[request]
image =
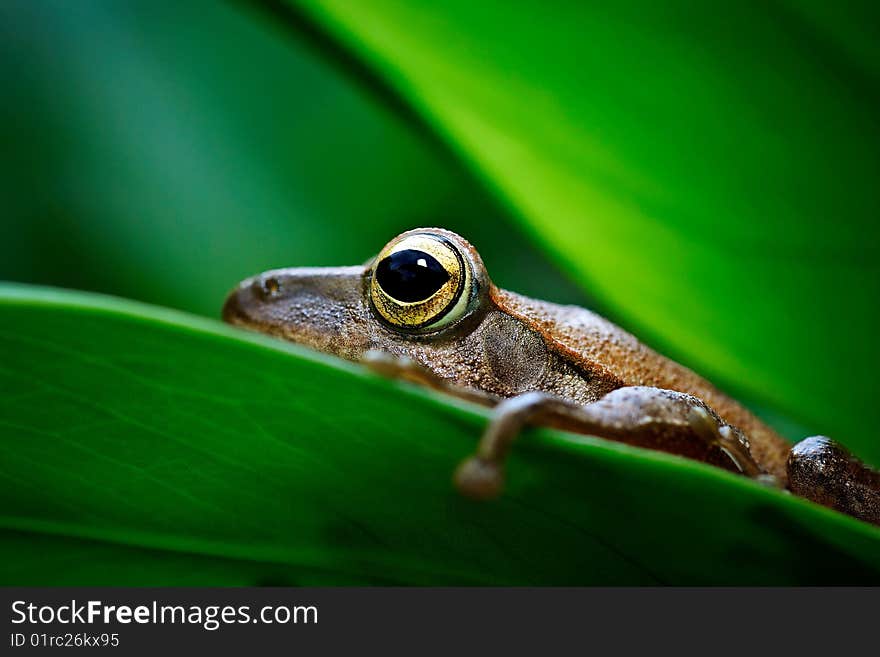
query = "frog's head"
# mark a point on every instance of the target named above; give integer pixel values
(424, 291)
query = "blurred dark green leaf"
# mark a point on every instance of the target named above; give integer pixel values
(710, 173)
(144, 446)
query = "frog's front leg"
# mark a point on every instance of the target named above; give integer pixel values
(646, 417)
(823, 471)
(406, 369)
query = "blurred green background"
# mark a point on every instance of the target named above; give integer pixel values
(163, 151)
(706, 178)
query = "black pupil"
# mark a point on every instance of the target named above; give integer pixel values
(410, 275)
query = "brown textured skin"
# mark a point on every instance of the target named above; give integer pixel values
(822, 471)
(599, 346)
(507, 345)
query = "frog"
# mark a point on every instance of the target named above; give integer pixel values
(425, 310)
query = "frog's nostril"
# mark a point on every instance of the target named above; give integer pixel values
(267, 287)
(271, 286)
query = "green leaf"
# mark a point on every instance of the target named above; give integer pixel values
(144, 446)
(708, 173)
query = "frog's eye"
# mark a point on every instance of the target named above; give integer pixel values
(420, 283)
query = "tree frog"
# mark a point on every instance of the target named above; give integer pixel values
(425, 310)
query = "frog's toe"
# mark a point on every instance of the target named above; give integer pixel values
(479, 479)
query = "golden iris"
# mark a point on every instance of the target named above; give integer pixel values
(419, 282)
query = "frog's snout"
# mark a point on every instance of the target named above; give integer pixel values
(240, 302)
(284, 300)
(251, 301)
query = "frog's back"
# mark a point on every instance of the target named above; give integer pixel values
(600, 347)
